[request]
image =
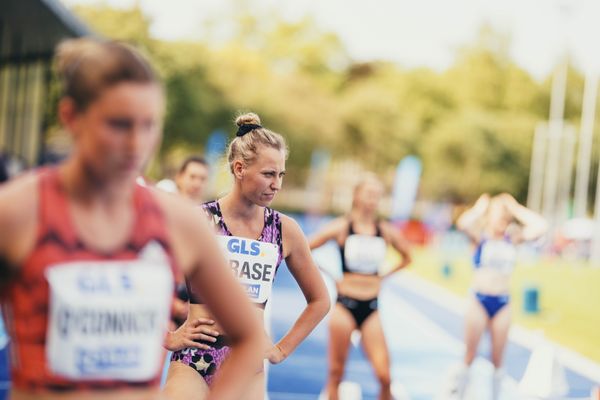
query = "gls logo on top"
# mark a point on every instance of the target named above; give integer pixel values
(241, 247)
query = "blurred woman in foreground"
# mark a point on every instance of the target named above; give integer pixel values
(88, 256)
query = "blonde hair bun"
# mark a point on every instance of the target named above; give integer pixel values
(247, 119)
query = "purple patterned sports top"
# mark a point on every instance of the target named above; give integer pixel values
(271, 233)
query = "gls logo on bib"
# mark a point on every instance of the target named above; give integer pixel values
(253, 263)
(236, 245)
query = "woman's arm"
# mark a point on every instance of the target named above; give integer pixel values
(190, 333)
(397, 241)
(206, 268)
(300, 264)
(534, 225)
(469, 220)
(328, 232)
(19, 207)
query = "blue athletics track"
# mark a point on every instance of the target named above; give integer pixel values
(423, 327)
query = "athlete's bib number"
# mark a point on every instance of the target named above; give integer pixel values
(253, 263)
(499, 255)
(107, 318)
(364, 254)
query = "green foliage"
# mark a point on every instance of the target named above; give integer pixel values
(472, 125)
(478, 151)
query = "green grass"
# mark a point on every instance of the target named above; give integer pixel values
(569, 297)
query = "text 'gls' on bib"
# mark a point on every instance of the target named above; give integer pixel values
(364, 254)
(108, 318)
(254, 264)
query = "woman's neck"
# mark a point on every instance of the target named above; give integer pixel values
(495, 234)
(362, 216)
(83, 185)
(238, 207)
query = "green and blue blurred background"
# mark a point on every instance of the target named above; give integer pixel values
(460, 86)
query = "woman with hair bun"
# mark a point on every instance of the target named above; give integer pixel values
(88, 256)
(256, 239)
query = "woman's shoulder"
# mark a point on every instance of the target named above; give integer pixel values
(179, 212)
(19, 197)
(19, 215)
(287, 222)
(385, 224)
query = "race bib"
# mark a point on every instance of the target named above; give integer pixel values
(254, 264)
(364, 254)
(107, 318)
(499, 255)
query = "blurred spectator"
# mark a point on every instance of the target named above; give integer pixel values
(190, 181)
(192, 177)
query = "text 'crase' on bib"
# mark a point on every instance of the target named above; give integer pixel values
(108, 318)
(254, 264)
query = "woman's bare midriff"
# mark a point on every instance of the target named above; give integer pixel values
(201, 311)
(153, 393)
(491, 282)
(359, 286)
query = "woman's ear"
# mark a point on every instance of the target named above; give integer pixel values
(238, 169)
(68, 115)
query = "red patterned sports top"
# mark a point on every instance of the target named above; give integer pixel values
(83, 319)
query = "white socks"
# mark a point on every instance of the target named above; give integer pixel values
(458, 380)
(497, 383)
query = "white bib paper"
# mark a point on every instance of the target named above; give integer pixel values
(499, 255)
(253, 263)
(107, 318)
(364, 254)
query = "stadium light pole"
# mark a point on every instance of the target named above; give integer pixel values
(536, 170)
(584, 157)
(595, 245)
(565, 178)
(555, 130)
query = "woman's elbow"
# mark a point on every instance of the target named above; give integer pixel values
(321, 305)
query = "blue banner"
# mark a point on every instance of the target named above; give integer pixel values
(406, 185)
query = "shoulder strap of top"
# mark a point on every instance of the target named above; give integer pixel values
(350, 227)
(211, 209)
(378, 231)
(478, 251)
(149, 219)
(273, 232)
(54, 218)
